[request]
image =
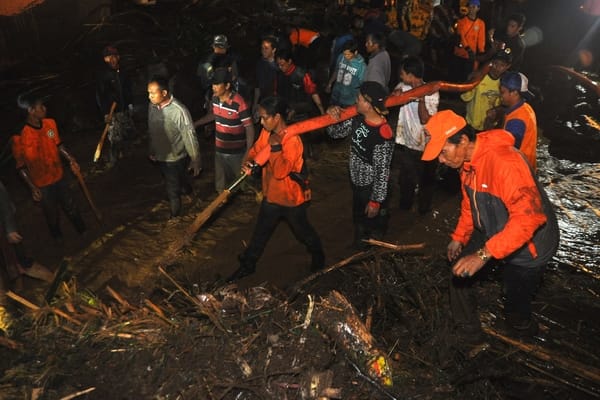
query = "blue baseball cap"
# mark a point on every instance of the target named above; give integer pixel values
(475, 3)
(516, 81)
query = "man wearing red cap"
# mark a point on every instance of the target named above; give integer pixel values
(505, 219)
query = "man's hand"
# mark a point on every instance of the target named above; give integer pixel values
(334, 112)
(454, 249)
(36, 193)
(467, 266)
(248, 167)
(372, 209)
(14, 237)
(195, 167)
(107, 119)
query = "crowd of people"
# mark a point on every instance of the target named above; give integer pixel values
(505, 217)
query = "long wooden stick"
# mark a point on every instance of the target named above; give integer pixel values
(392, 246)
(77, 394)
(88, 196)
(104, 133)
(34, 307)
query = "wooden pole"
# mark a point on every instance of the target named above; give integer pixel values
(104, 133)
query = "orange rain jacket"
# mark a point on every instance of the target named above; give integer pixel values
(278, 187)
(503, 199)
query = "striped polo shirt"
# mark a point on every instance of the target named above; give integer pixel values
(231, 119)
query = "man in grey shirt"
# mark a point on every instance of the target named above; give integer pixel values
(172, 141)
(379, 68)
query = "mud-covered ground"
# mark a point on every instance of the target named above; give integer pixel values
(120, 328)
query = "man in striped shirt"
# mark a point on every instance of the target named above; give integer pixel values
(234, 130)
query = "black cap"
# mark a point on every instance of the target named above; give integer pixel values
(221, 75)
(375, 94)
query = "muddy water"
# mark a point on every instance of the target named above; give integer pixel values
(574, 189)
(570, 166)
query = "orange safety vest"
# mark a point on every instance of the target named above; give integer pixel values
(529, 143)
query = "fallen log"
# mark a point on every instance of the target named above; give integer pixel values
(337, 317)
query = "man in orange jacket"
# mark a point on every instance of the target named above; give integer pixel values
(505, 219)
(285, 189)
(470, 34)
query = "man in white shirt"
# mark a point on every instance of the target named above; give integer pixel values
(410, 136)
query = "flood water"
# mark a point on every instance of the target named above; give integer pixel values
(574, 190)
(570, 168)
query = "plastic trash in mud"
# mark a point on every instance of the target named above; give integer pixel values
(340, 321)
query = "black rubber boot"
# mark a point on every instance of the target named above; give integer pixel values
(247, 267)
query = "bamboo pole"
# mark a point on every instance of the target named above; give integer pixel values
(580, 369)
(34, 307)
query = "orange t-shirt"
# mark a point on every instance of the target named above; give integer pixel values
(37, 150)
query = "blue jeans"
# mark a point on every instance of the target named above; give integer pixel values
(176, 182)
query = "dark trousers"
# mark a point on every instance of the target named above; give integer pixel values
(365, 227)
(55, 195)
(520, 284)
(268, 217)
(459, 68)
(413, 172)
(176, 182)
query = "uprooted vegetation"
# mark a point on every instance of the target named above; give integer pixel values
(318, 340)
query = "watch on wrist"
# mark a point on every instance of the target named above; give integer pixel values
(481, 254)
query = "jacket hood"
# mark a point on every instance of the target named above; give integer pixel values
(492, 140)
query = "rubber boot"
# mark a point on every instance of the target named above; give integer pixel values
(247, 267)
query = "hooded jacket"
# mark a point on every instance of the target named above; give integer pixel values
(503, 199)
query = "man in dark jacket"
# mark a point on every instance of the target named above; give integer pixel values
(506, 219)
(114, 85)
